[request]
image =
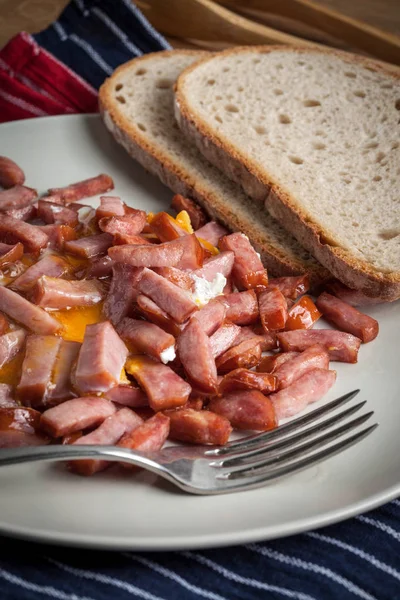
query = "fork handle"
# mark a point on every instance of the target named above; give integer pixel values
(13, 456)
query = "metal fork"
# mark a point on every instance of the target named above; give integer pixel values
(245, 464)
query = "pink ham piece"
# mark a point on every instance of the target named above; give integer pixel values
(148, 437)
(37, 368)
(108, 433)
(245, 355)
(61, 388)
(4, 324)
(221, 263)
(184, 253)
(211, 316)
(224, 338)
(242, 307)
(33, 317)
(152, 312)
(83, 189)
(211, 232)
(248, 270)
(315, 357)
(10, 253)
(353, 297)
(347, 318)
(180, 278)
(267, 340)
(164, 388)
(13, 231)
(269, 364)
(51, 265)
(196, 214)
(127, 395)
(19, 427)
(273, 310)
(59, 294)
(291, 287)
(90, 246)
(198, 427)
(246, 409)
(110, 206)
(122, 293)
(244, 379)
(99, 268)
(6, 399)
(101, 359)
(130, 224)
(51, 212)
(17, 197)
(10, 173)
(175, 301)
(342, 347)
(75, 415)
(10, 344)
(309, 388)
(145, 337)
(195, 353)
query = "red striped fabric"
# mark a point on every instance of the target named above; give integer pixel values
(34, 83)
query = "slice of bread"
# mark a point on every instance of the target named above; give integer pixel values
(137, 104)
(313, 135)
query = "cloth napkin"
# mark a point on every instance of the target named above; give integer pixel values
(58, 71)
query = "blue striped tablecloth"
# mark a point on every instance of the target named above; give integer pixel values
(355, 559)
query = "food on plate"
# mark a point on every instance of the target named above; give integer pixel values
(159, 335)
(311, 134)
(136, 103)
(11, 174)
(347, 318)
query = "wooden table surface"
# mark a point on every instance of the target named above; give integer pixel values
(34, 15)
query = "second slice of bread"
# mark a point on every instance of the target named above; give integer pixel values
(137, 105)
(314, 136)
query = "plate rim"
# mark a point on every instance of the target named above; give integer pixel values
(200, 541)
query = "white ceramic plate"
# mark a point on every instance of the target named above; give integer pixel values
(44, 502)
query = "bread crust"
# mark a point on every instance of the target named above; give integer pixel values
(260, 185)
(178, 180)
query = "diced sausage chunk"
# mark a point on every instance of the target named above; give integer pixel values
(166, 227)
(244, 379)
(19, 427)
(110, 206)
(127, 395)
(195, 353)
(146, 337)
(248, 270)
(90, 246)
(108, 433)
(55, 293)
(247, 409)
(61, 388)
(10, 253)
(224, 338)
(17, 197)
(199, 427)
(314, 357)
(291, 287)
(347, 318)
(10, 173)
(273, 310)
(76, 414)
(342, 347)
(131, 224)
(164, 388)
(303, 314)
(269, 364)
(101, 359)
(37, 368)
(51, 212)
(13, 231)
(221, 264)
(148, 437)
(247, 354)
(175, 301)
(157, 315)
(83, 189)
(311, 387)
(122, 292)
(50, 265)
(266, 339)
(242, 307)
(211, 232)
(211, 316)
(33, 317)
(176, 276)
